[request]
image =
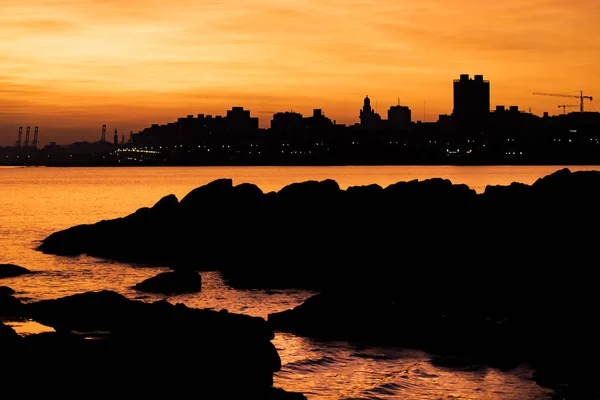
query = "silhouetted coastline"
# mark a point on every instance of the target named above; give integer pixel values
(105, 344)
(500, 277)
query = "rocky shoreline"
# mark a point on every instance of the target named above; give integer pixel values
(106, 345)
(500, 278)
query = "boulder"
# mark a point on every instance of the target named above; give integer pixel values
(11, 270)
(176, 282)
(11, 307)
(8, 340)
(6, 291)
(178, 349)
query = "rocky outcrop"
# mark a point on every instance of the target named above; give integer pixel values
(107, 342)
(311, 234)
(551, 334)
(176, 282)
(11, 270)
(9, 305)
(7, 334)
(392, 319)
(6, 291)
(250, 235)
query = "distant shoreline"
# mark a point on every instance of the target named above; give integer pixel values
(172, 164)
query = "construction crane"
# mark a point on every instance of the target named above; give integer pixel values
(564, 107)
(581, 97)
(20, 136)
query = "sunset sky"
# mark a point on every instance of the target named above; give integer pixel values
(69, 66)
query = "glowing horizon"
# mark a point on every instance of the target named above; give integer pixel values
(70, 66)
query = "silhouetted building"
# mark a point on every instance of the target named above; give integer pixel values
(193, 131)
(399, 117)
(318, 121)
(239, 121)
(288, 121)
(368, 117)
(471, 98)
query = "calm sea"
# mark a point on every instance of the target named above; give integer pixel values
(36, 201)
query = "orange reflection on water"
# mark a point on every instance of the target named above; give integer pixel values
(28, 327)
(338, 370)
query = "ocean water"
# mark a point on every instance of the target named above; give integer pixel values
(36, 201)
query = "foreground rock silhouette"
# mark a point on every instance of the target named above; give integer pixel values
(107, 345)
(176, 282)
(313, 234)
(11, 271)
(6, 291)
(9, 305)
(506, 276)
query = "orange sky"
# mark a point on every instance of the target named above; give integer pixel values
(70, 66)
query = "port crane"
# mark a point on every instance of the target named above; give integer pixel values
(35, 137)
(27, 133)
(581, 97)
(564, 107)
(20, 136)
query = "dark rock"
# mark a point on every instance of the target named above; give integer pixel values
(456, 362)
(88, 311)
(69, 242)
(6, 291)
(247, 191)
(167, 204)
(9, 340)
(11, 270)
(7, 333)
(515, 192)
(280, 394)
(208, 194)
(309, 190)
(179, 281)
(220, 354)
(366, 190)
(564, 188)
(10, 306)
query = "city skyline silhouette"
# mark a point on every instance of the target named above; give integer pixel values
(72, 67)
(469, 103)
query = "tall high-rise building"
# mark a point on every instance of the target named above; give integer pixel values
(471, 97)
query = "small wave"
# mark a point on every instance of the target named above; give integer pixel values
(308, 363)
(389, 388)
(373, 356)
(421, 373)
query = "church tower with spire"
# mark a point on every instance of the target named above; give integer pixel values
(368, 117)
